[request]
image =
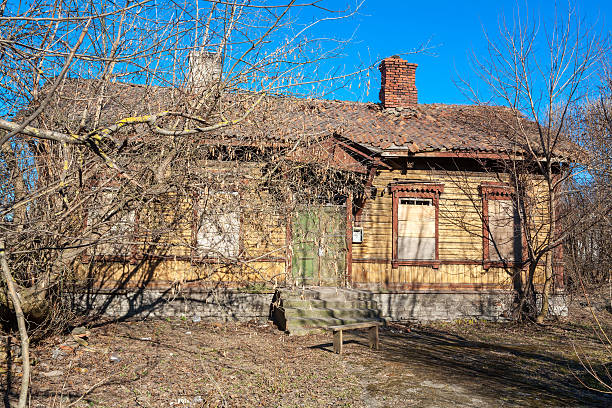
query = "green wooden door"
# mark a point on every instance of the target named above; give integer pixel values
(304, 239)
(319, 246)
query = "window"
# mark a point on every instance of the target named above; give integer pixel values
(502, 242)
(416, 229)
(415, 223)
(218, 227)
(113, 225)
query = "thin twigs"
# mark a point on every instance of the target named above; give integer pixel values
(23, 331)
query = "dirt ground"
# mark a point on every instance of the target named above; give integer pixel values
(181, 363)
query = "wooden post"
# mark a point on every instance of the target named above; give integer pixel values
(338, 341)
(195, 221)
(373, 337)
(288, 237)
(558, 264)
(349, 240)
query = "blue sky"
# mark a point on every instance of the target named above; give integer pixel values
(453, 27)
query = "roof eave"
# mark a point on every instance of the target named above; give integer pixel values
(471, 154)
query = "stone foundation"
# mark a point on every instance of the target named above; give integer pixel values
(236, 305)
(213, 305)
(448, 306)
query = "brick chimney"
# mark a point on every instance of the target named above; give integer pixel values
(204, 69)
(397, 84)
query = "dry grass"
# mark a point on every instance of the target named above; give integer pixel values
(184, 364)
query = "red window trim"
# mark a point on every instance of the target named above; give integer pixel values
(416, 190)
(494, 191)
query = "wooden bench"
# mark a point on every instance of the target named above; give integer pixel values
(372, 327)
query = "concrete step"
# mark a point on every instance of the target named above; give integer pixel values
(328, 304)
(323, 293)
(305, 331)
(291, 313)
(307, 310)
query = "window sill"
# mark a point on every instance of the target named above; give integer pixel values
(500, 264)
(131, 259)
(435, 264)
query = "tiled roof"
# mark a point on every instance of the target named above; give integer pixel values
(425, 128)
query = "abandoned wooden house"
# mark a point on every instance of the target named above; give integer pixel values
(409, 203)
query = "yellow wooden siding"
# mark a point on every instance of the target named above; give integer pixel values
(164, 250)
(263, 227)
(166, 230)
(460, 234)
(152, 272)
(164, 227)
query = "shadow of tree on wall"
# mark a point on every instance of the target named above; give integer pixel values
(160, 278)
(137, 295)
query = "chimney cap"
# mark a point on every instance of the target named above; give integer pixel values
(394, 60)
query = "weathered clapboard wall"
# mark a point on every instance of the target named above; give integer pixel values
(460, 236)
(163, 247)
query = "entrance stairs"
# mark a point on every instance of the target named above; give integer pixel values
(308, 310)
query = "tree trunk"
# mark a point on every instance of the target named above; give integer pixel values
(526, 296)
(546, 290)
(548, 270)
(23, 333)
(16, 178)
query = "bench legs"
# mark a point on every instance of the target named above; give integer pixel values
(338, 342)
(373, 337)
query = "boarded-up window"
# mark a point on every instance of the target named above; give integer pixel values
(416, 229)
(219, 225)
(504, 231)
(112, 223)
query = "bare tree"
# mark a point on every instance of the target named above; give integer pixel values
(588, 251)
(121, 121)
(541, 71)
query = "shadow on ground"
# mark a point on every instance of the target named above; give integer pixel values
(512, 374)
